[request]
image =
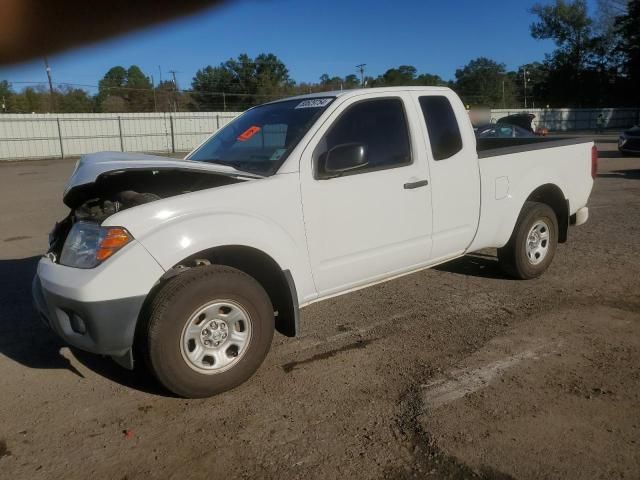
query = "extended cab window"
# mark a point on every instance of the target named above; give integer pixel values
(376, 130)
(442, 125)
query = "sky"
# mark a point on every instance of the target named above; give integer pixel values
(331, 37)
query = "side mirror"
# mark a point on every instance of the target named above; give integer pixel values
(344, 158)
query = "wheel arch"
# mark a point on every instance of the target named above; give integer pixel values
(278, 283)
(551, 195)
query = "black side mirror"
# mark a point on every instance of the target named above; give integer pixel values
(343, 158)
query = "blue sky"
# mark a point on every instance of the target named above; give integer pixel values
(313, 38)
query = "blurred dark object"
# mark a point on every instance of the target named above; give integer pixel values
(34, 28)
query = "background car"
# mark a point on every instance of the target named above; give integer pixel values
(500, 130)
(629, 141)
(522, 120)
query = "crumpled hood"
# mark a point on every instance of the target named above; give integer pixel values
(90, 167)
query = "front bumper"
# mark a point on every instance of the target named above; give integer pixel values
(97, 310)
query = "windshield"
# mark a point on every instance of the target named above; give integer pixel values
(260, 140)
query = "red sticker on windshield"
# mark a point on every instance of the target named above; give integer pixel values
(248, 133)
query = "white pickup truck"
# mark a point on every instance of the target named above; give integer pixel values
(191, 264)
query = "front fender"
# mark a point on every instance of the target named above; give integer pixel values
(187, 235)
(264, 214)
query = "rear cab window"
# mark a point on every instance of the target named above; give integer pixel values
(442, 126)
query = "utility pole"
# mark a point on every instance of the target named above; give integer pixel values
(153, 87)
(524, 74)
(175, 90)
(361, 70)
(224, 102)
(48, 70)
(503, 102)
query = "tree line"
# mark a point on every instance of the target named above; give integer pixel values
(596, 62)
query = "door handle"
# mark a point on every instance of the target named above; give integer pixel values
(418, 184)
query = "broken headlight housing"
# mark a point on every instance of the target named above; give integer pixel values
(88, 244)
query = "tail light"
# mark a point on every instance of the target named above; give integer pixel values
(594, 162)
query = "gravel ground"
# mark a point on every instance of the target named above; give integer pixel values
(455, 372)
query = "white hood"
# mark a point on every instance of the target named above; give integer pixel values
(93, 165)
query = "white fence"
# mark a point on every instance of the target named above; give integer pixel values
(67, 135)
(567, 119)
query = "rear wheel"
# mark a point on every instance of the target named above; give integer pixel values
(209, 329)
(533, 242)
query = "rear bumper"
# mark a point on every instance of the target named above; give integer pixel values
(96, 310)
(580, 217)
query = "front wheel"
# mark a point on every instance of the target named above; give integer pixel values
(533, 242)
(208, 330)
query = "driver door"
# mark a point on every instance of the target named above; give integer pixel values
(372, 221)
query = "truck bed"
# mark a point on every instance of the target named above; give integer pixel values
(492, 147)
(511, 169)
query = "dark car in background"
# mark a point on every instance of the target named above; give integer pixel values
(629, 141)
(502, 130)
(523, 120)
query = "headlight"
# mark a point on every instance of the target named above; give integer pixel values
(89, 244)
(622, 140)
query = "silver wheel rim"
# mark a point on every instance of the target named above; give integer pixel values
(216, 337)
(538, 239)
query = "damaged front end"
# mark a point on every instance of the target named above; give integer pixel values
(104, 184)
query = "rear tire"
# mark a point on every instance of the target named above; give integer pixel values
(533, 242)
(208, 330)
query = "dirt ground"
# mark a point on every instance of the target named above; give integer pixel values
(455, 372)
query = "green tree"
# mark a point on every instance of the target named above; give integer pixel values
(429, 80)
(401, 76)
(131, 85)
(536, 86)
(30, 100)
(139, 90)
(628, 27)
(567, 23)
(482, 82)
(209, 88)
(351, 81)
(112, 84)
(272, 75)
(578, 68)
(74, 100)
(240, 83)
(5, 94)
(405, 75)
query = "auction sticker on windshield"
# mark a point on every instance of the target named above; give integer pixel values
(314, 103)
(248, 133)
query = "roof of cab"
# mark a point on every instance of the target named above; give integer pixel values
(359, 91)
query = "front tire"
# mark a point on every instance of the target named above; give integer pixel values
(208, 330)
(533, 242)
